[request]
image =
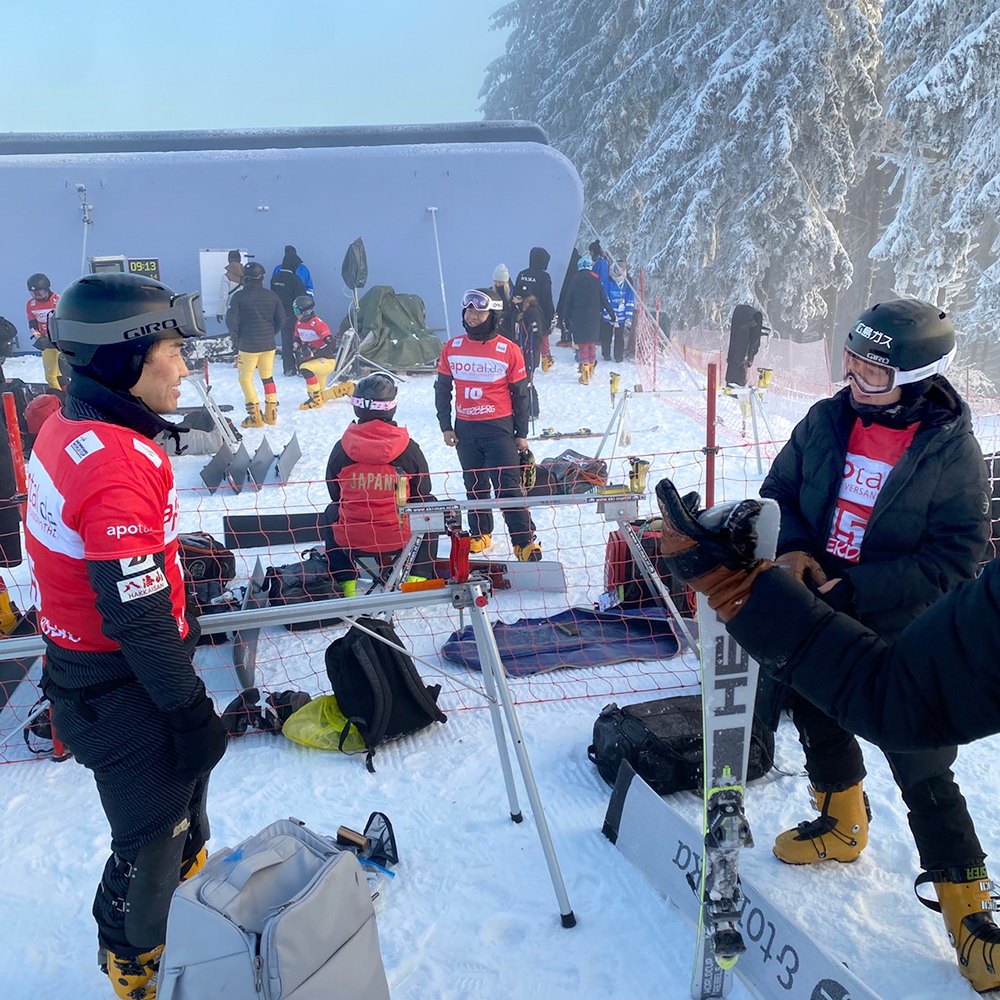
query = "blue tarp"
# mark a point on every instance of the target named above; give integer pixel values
(575, 638)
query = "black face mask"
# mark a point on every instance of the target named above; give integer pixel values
(908, 410)
(486, 330)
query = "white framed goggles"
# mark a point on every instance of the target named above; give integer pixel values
(480, 301)
(184, 317)
(362, 402)
(876, 379)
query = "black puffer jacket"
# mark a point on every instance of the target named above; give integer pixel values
(585, 302)
(937, 685)
(539, 282)
(930, 524)
(255, 316)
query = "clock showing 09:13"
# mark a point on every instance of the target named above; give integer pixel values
(148, 267)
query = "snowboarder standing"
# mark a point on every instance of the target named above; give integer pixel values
(537, 280)
(362, 477)
(232, 281)
(101, 534)
(39, 308)
(582, 311)
(622, 298)
(289, 280)
(490, 383)
(883, 498)
(254, 319)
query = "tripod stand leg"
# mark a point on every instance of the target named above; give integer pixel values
(490, 657)
(756, 431)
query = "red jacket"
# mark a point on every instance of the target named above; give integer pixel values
(361, 477)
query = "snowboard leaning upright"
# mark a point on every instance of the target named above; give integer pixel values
(728, 688)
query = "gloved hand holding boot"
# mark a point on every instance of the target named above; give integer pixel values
(713, 550)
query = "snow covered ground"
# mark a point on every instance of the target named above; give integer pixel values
(471, 912)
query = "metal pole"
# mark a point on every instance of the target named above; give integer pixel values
(87, 221)
(648, 571)
(710, 448)
(616, 419)
(756, 432)
(437, 247)
(490, 657)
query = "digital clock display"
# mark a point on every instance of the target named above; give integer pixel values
(149, 267)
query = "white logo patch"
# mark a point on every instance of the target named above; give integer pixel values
(501, 347)
(142, 586)
(469, 368)
(144, 449)
(86, 444)
(137, 564)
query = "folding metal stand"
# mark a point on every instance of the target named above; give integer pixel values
(472, 596)
(754, 396)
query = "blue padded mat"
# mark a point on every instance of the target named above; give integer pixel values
(575, 638)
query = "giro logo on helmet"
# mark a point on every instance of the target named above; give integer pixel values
(875, 335)
(150, 328)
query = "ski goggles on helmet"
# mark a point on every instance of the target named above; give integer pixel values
(364, 403)
(183, 317)
(478, 299)
(874, 378)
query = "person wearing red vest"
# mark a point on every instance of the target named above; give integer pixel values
(101, 537)
(490, 383)
(39, 308)
(316, 345)
(884, 507)
(363, 475)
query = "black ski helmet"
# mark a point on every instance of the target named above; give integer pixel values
(105, 324)
(253, 271)
(39, 282)
(483, 300)
(913, 339)
(304, 307)
(374, 397)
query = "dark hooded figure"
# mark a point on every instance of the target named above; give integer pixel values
(288, 285)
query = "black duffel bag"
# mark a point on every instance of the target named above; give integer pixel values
(662, 740)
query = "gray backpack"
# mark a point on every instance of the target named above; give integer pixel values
(286, 915)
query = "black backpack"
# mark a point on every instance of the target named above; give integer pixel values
(377, 687)
(210, 567)
(662, 740)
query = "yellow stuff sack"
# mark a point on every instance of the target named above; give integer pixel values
(319, 724)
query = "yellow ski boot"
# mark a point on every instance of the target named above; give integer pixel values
(480, 543)
(586, 370)
(839, 833)
(966, 908)
(134, 978)
(253, 417)
(338, 390)
(547, 362)
(270, 412)
(532, 552)
(314, 402)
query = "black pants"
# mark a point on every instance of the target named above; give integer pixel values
(127, 745)
(288, 363)
(938, 816)
(489, 458)
(607, 331)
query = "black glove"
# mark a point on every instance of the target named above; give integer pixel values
(840, 596)
(199, 737)
(694, 542)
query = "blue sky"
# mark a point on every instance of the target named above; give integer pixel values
(175, 64)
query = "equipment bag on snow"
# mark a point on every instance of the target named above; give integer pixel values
(306, 580)
(576, 473)
(622, 574)
(377, 687)
(210, 567)
(662, 740)
(285, 915)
